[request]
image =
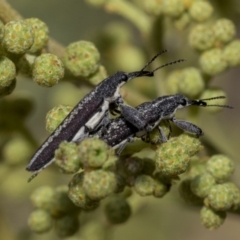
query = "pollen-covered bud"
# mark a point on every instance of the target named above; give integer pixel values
(160, 188)
(201, 10)
(18, 37)
(220, 197)
(93, 152)
(55, 116)
(201, 184)
(117, 210)
(231, 53)
(173, 8)
(7, 76)
(220, 167)
(98, 184)
(98, 76)
(172, 158)
(40, 221)
(144, 185)
(201, 37)
(224, 30)
(213, 92)
(81, 58)
(77, 194)
(40, 31)
(67, 158)
(187, 194)
(17, 151)
(173, 80)
(212, 219)
(191, 83)
(212, 62)
(67, 225)
(47, 70)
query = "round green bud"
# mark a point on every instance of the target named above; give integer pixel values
(81, 58)
(220, 167)
(212, 62)
(192, 82)
(1, 31)
(144, 185)
(224, 30)
(67, 225)
(160, 188)
(173, 8)
(40, 30)
(186, 193)
(117, 210)
(231, 53)
(236, 193)
(40, 221)
(201, 10)
(153, 7)
(55, 116)
(212, 219)
(18, 37)
(77, 194)
(42, 197)
(172, 158)
(17, 151)
(98, 184)
(201, 37)
(67, 158)
(201, 184)
(47, 70)
(7, 75)
(98, 76)
(220, 197)
(173, 80)
(93, 152)
(213, 92)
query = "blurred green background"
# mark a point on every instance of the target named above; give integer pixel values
(168, 218)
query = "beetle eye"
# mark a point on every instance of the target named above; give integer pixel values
(124, 77)
(183, 102)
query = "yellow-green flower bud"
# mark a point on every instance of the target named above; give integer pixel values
(17, 151)
(220, 167)
(77, 194)
(212, 62)
(172, 158)
(173, 80)
(220, 197)
(231, 53)
(98, 76)
(7, 76)
(55, 116)
(117, 210)
(40, 31)
(47, 70)
(40, 221)
(18, 37)
(187, 194)
(81, 58)
(201, 37)
(93, 152)
(224, 30)
(144, 185)
(236, 193)
(160, 188)
(212, 219)
(213, 92)
(67, 158)
(201, 10)
(67, 225)
(173, 8)
(192, 82)
(98, 184)
(201, 184)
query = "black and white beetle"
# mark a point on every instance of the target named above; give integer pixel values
(149, 114)
(88, 115)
